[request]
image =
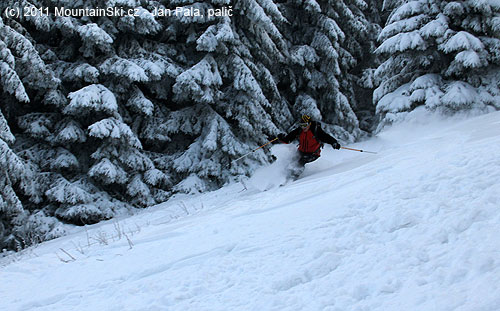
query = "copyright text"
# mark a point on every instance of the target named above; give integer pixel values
(32, 11)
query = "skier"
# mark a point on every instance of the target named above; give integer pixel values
(311, 138)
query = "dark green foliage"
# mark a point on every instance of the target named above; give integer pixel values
(107, 114)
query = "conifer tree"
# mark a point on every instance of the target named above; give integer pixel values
(225, 102)
(23, 77)
(439, 54)
(11, 172)
(115, 112)
(328, 40)
(73, 113)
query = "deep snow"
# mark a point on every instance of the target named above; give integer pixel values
(415, 227)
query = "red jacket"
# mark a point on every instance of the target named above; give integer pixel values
(310, 141)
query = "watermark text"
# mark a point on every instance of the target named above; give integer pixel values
(33, 11)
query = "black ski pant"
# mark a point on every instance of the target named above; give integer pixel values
(298, 165)
(305, 157)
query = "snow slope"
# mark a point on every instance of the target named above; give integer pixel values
(415, 227)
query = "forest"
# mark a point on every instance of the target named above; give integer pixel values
(102, 114)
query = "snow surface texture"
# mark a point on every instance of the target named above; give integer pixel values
(415, 227)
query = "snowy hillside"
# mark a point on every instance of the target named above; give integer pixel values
(414, 227)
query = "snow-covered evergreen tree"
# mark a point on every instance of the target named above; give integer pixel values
(440, 54)
(19, 179)
(225, 102)
(60, 134)
(11, 172)
(111, 112)
(24, 77)
(328, 40)
(367, 62)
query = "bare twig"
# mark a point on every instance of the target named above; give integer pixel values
(102, 238)
(184, 207)
(118, 229)
(79, 248)
(244, 185)
(87, 233)
(69, 255)
(63, 260)
(130, 244)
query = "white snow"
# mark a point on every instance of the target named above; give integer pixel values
(469, 58)
(414, 227)
(460, 94)
(402, 42)
(462, 40)
(93, 33)
(114, 128)
(95, 97)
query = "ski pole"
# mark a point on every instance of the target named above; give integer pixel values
(358, 150)
(255, 149)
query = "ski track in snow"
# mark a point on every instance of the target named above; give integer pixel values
(414, 227)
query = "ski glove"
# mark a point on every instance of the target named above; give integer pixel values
(336, 145)
(273, 141)
(281, 136)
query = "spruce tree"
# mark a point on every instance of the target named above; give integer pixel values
(225, 102)
(439, 54)
(11, 172)
(24, 76)
(115, 112)
(328, 40)
(76, 125)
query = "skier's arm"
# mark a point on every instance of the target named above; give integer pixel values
(324, 137)
(290, 137)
